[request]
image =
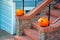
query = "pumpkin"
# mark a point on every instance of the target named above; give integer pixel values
(19, 12)
(43, 22)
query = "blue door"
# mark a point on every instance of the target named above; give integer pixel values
(7, 16)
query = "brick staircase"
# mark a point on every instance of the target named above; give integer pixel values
(32, 34)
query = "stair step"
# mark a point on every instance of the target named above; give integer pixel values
(33, 34)
(57, 6)
(21, 38)
(53, 12)
(45, 29)
(35, 25)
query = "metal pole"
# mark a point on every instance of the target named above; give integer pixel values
(23, 4)
(35, 3)
(49, 14)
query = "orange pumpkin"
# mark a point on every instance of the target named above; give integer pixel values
(43, 22)
(19, 12)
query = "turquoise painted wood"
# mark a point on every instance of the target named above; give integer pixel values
(24, 0)
(27, 3)
(0, 14)
(7, 20)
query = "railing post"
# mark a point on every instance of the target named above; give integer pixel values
(23, 4)
(49, 14)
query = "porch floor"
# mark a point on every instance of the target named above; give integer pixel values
(5, 36)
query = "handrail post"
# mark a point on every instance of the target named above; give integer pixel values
(23, 4)
(49, 14)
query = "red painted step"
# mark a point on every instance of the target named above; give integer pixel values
(33, 34)
(57, 6)
(35, 25)
(21, 38)
(53, 12)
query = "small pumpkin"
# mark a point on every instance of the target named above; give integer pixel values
(19, 12)
(43, 22)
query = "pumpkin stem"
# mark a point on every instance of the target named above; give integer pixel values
(41, 20)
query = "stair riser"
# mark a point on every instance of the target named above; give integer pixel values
(33, 34)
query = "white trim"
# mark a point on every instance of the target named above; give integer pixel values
(28, 8)
(13, 18)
